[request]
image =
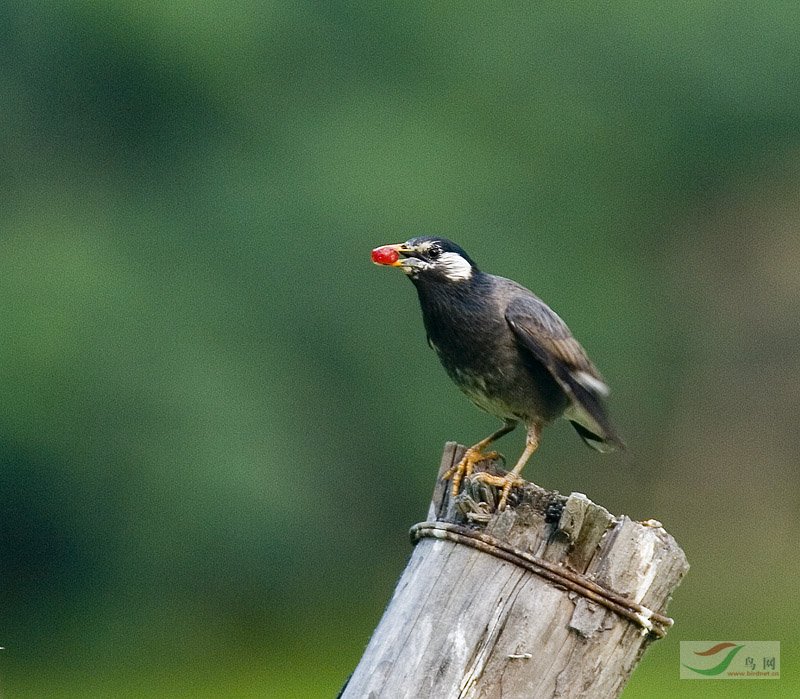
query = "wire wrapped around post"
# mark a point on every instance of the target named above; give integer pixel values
(648, 620)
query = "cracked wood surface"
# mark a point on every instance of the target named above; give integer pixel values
(465, 624)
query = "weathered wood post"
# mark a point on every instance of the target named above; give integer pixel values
(554, 597)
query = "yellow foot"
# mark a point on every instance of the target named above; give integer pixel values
(505, 483)
(466, 466)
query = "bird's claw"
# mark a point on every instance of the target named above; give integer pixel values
(505, 483)
(466, 466)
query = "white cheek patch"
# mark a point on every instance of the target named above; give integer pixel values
(454, 267)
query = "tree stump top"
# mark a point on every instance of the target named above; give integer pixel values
(575, 535)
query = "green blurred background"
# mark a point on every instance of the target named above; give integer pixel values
(219, 419)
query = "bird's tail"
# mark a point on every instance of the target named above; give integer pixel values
(602, 444)
(588, 413)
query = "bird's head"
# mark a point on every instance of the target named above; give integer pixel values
(428, 258)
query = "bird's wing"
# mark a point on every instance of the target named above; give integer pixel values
(539, 329)
(547, 338)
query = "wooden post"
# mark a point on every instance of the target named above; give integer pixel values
(554, 597)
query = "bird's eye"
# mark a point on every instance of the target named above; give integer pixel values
(434, 252)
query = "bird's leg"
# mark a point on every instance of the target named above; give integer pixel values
(474, 455)
(512, 478)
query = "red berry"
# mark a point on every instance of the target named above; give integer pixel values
(385, 255)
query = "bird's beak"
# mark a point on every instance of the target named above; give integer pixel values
(391, 255)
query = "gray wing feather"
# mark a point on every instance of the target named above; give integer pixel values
(540, 331)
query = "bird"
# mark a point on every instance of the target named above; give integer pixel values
(507, 350)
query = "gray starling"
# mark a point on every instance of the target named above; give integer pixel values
(505, 349)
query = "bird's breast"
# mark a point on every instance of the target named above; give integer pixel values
(481, 356)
